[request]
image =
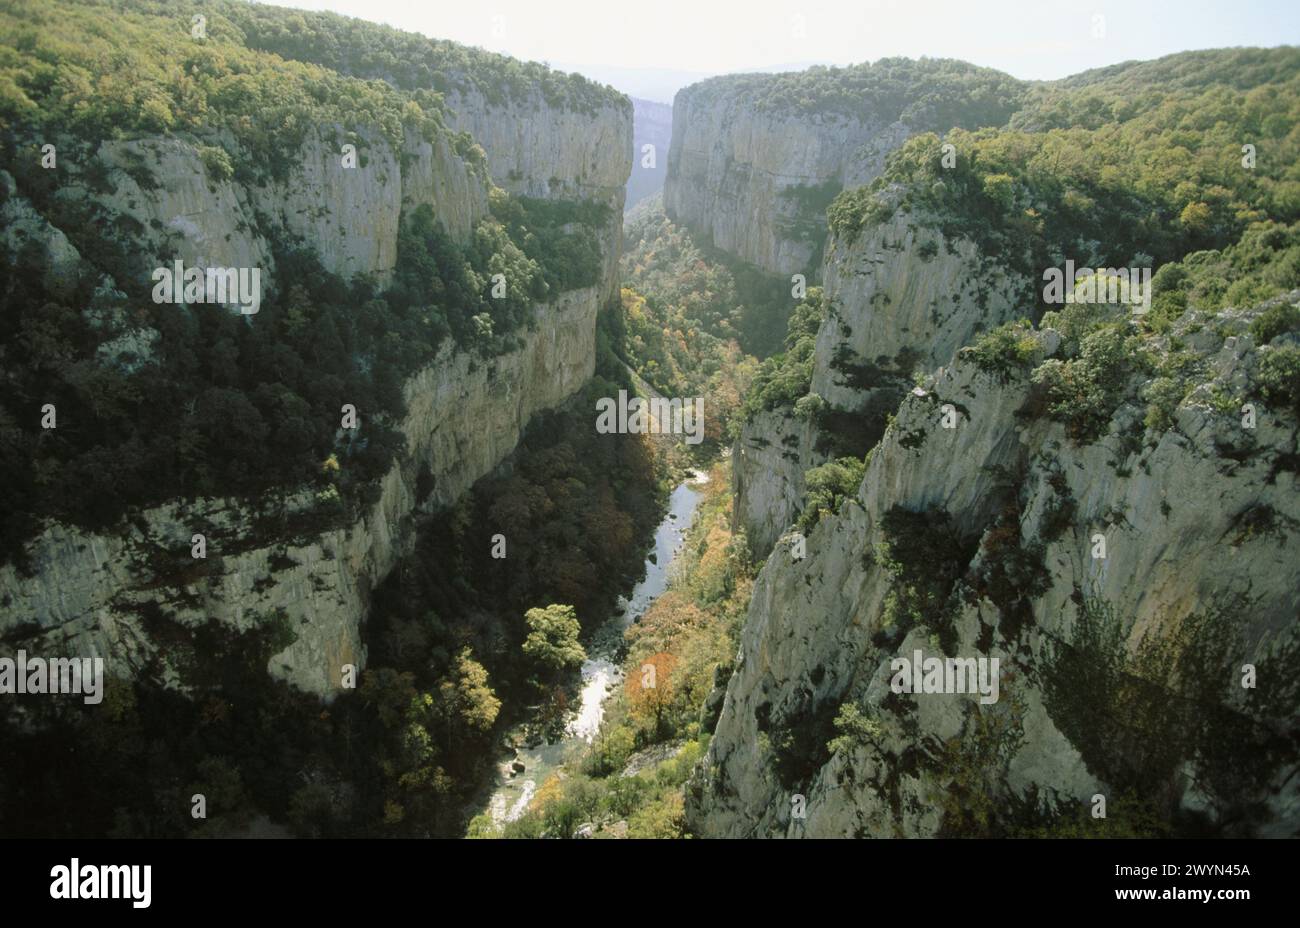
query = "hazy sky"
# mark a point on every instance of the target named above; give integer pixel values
(1028, 39)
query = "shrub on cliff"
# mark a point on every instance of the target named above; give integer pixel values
(1006, 351)
(1084, 392)
(828, 485)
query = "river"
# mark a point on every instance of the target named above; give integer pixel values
(600, 672)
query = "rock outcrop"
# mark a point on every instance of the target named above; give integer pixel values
(768, 462)
(548, 152)
(900, 298)
(537, 150)
(756, 184)
(104, 594)
(1193, 517)
(348, 215)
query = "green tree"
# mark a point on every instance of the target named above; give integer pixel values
(552, 640)
(467, 700)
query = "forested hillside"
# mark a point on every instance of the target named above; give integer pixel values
(265, 393)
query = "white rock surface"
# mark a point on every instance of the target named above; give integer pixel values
(813, 637)
(728, 166)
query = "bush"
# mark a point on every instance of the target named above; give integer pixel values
(1084, 392)
(828, 485)
(1005, 352)
(217, 162)
(1274, 321)
(1163, 396)
(854, 728)
(1279, 378)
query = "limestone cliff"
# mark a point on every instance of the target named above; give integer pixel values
(348, 214)
(102, 594)
(550, 152)
(901, 298)
(769, 459)
(756, 158)
(296, 560)
(756, 184)
(1195, 516)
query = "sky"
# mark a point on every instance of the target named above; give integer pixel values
(673, 42)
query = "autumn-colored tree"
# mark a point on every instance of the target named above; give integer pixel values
(650, 689)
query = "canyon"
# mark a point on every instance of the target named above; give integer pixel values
(1087, 507)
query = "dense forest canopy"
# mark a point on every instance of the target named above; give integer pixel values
(107, 70)
(413, 62)
(929, 93)
(1119, 171)
(263, 72)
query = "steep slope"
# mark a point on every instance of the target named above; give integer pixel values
(1097, 502)
(756, 159)
(982, 540)
(545, 134)
(261, 180)
(292, 560)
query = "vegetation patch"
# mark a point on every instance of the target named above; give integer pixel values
(1139, 710)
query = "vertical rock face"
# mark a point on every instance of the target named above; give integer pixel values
(537, 150)
(1022, 505)
(291, 560)
(105, 594)
(756, 184)
(902, 297)
(768, 462)
(349, 215)
(22, 226)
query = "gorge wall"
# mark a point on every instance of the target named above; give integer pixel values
(755, 159)
(756, 185)
(1125, 572)
(537, 150)
(114, 594)
(754, 163)
(900, 298)
(1025, 503)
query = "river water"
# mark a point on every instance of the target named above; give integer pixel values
(600, 672)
